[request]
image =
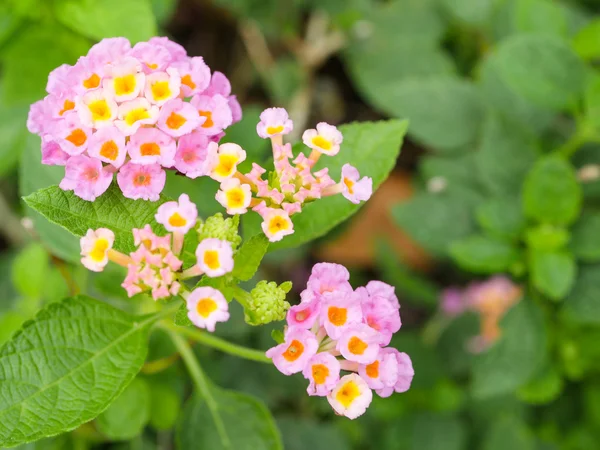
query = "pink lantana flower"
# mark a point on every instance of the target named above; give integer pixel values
(404, 373)
(152, 146)
(274, 122)
(354, 188)
(195, 75)
(178, 118)
(179, 216)
(95, 246)
(207, 306)
(276, 224)
(299, 347)
(360, 343)
(162, 86)
(329, 277)
(108, 145)
(73, 137)
(135, 113)
(196, 155)
(381, 373)
(86, 177)
(214, 257)
(215, 112)
(326, 139)
(351, 397)
(323, 372)
(234, 196)
(304, 315)
(141, 182)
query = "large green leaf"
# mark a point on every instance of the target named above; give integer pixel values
(475, 12)
(127, 416)
(541, 68)
(553, 272)
(246, 420)
(453, 122)
(111, 210)
(582, 305)
(551, 193)
(132, 19)
(516, 357)
(371, 147)
(248, 258)
(587, 42)
(509, 432)
(502, 217)
(482, 254)
(66, 366)
(585, 237)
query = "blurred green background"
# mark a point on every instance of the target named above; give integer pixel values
(500, 174)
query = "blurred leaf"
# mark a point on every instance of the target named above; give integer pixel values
(427, 365)
(303, 434)
(247, 259)
(31, 55)
(453, 169)
(541, 68)
(200, 190)
(591, 100)
(482, 254)
(544, 388)
(502, 217)
(10, 322)
(132, 19)
(547, 237)
(585, 237)
(587, 42)
(437, 220)
(433, 432)
(411, 285)
(111, 210)
(541, 16)
(33, 176)
(552, 273)
(517, 355)
(285, 78)
(181, 316)
(165, 406)
(80, 354)
(128, 414)
(12, 136)
(474, 12)
(505, 155)
(582, 305)
(453, 343)
(509, 432)
(551, 193)
(29, 271)
(452, 124)
(371, 147)
(163, 10)
(272, 16)
(247, 422)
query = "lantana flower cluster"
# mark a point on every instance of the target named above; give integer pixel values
(335, 330)
(156, 265)
(490, 299)
(135, 112)
(293, 183)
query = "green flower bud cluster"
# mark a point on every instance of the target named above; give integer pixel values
(220, 228)
(266, 302)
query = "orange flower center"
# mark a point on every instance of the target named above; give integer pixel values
(357, 346)
(187, 80)
(337, 316)
(373, 369)
(208, 122)
(109, 150)
(175, 121)
(149, 149)
(68, 105)
(92, 82)
(294, 351)
(77, 137)
(320, 372)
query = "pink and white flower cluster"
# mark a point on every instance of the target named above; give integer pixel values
(337, 329)
(490, 299)
(135, 111)
(293, 183)
(155, 266)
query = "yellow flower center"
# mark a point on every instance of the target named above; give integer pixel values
(357, 346)
(175, 121)
(149, 149)
(99, 251)
(226, 165)
(320, 372)
(348, 393)
(208, 122)
(235, 198)
(77, 137)
(337, 316)
(211, 259)
(177, 221)
(92, 82)
(278, 224)
(321, 142)
(109, 150)
(136, 115)
(124, 85)
(274, 130)
(161, 90)
(294, 351)
(350, 185)
(100, 110)
(206, 306)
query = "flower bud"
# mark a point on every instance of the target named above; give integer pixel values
(266, 303)
(216, 227)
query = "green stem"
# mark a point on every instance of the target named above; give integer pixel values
(201, 383)
(218, 343)
(243, 297)
(576, 141)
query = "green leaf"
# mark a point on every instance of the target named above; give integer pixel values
(547, 237)
(434, 432)
(453, 123)
(502, 217)
(26, 63)
(506, 153)
(587, 42)
(30, 269)
(544, 388)
(128, 414)
(111, 210)
(132, 19)
(437, 220)
(541, 68)
(304, 433)
(474, 12)
(12, 136)
(181, 316)
(582, 305)
(371, 147)
(247, 259)
(509, 432)
(516, 357)
(247, 422)
(165, 406)
(552, 273)
(541, 16)
(482, 254)
(551, 193)
(585, 237)
(66, 366)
